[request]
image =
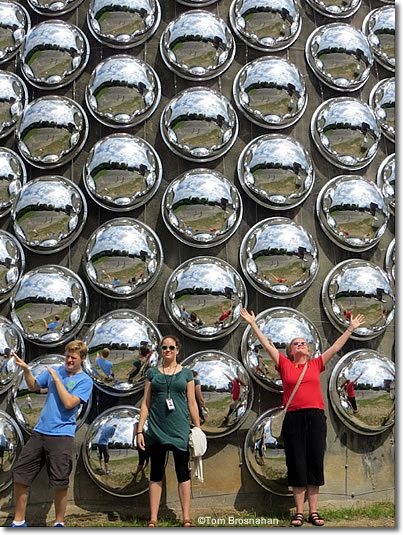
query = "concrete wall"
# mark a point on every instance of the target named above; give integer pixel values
(357, 467)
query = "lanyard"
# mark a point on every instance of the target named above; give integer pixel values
(170, 382)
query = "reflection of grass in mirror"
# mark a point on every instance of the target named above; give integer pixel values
(275, 469)
(31, 415)
(373, 313)
(374, 411)
(199, 134)
(45, 63)
(291, 272)
(119, 100)
(119, 23)
(336, 65)
(35, 228)
(347, 142)
(49, 141)
(127, 186)
(214, 221)
(121, 475)
(217, 409)
(107, 269)
(201, 54)
(272, 183)
(270, 101)
(361, 227)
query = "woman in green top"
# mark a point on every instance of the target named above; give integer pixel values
(169, 397)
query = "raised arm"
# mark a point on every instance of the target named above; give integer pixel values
(29, 378)
(266, 343)
(144, 408)
(69, 400)
(341, 340)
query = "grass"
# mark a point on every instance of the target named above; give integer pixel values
(373, 512)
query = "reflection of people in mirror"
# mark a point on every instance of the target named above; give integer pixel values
(235, 391)
(140, 364)
(304, 427)
(3, 366)
(3, 446)
(349, 386)
(201, 405)
(28, 402)
(53, 325)
(144, 456)
(185, 313)
(169, 399)
(194, 318)
(224, 314)
(107, 433)
(52, 439)
(105, 365)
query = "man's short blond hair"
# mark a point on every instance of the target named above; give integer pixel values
(77, 346)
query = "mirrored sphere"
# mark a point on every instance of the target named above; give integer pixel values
(371, 378)
(267, 25)
(270, 92)
(12, 263)
(199, 124)
(123, 91)
(202, 208)
(53, 8)
(28, 405)
(13, 442)
(265, 456)
(197, 45)
(10, 340)
(123, 258)
(386, 181)
(51, 131)
(49, 304)
(279, 258)
(382, 101)
(335, 9)
(123, 23)
(13, 176)
(358, 287)
(13, 99)
(127, 334)
(226, 389)
(276, 171)
(281, 324)
(54, 54)
(346, 132)
(15, 22)
(116, 425)
(122, 172)
(49, 214)
(203, 298)
(340, 56)
(352, 212)
(379, 27)
(390, 261)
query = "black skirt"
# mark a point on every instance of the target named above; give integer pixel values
(304, 436)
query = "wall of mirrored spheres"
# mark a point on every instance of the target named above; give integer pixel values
(162, 165)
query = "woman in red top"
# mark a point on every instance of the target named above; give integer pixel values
(304, 427)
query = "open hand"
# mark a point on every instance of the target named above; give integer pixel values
(141, 442)
(358, 320)
(52, 372)
(21, 363)
(248, 317)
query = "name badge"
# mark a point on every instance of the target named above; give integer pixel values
(170, 404)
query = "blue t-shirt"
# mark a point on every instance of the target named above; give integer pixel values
(105, 365)
(3, 365)
(106, 433)
(55, 419)
(53, 325)
(3, 440)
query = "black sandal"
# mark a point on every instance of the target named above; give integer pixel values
(315, 519)
(298, 517)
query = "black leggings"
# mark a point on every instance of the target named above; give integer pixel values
(158, 455)
(304, 436)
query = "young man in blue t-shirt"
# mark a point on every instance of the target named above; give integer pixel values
(52, 440)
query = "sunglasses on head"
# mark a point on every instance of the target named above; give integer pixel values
(171, 348)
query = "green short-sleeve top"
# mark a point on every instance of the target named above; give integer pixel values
(168, 426)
